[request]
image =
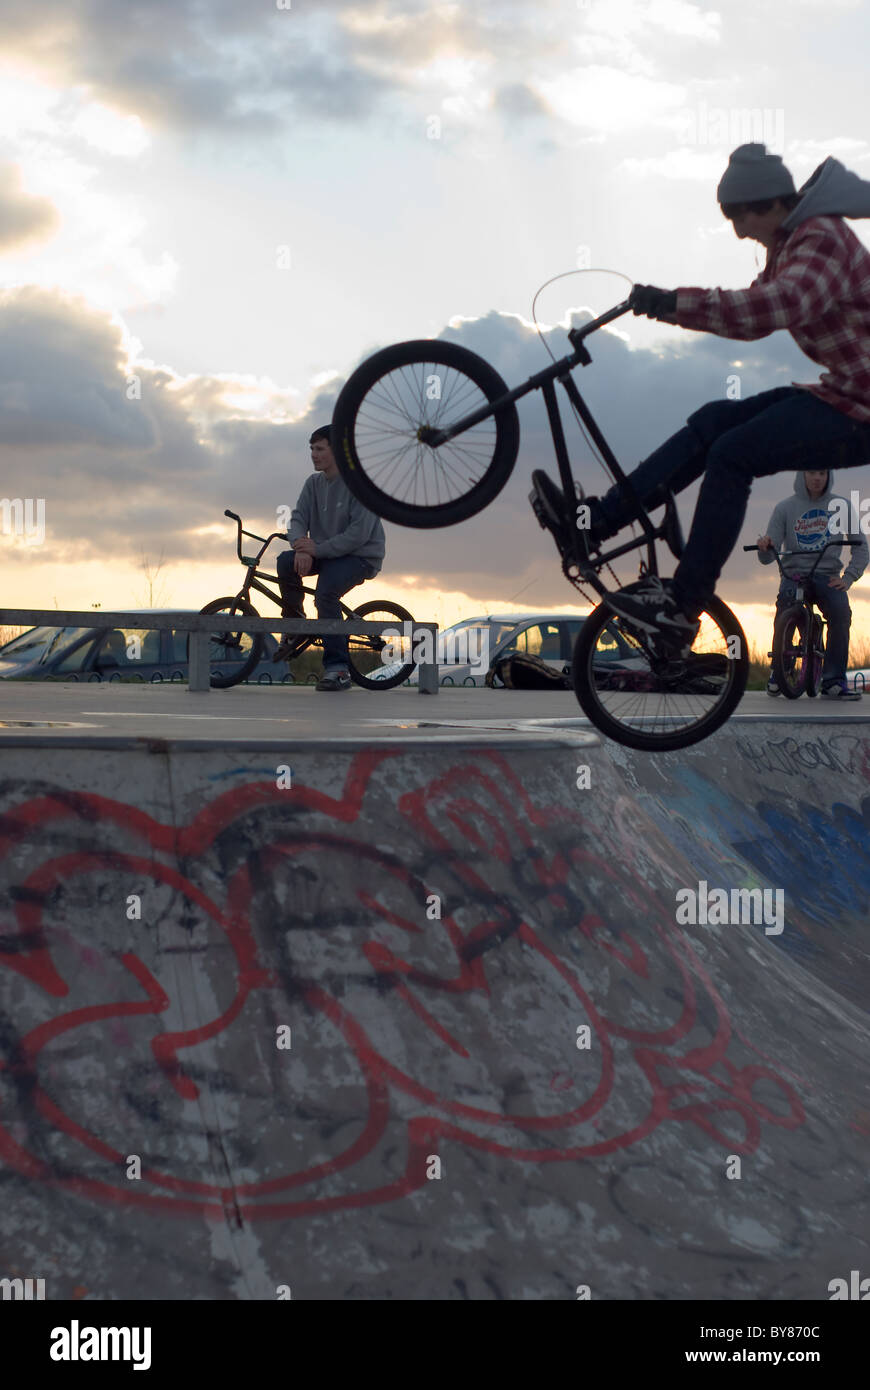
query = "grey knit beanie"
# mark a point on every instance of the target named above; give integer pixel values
(753, 174)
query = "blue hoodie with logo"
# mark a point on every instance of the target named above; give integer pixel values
(803, 523)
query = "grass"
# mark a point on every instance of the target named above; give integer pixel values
(759, 662)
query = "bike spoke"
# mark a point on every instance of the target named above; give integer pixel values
(631, 688)
(386, 435)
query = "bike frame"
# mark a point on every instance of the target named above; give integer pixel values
(254, 580)
(544, 381)
(803, 583)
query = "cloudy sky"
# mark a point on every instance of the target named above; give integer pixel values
(212, 210)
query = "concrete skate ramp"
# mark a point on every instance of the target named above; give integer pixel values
(169, 913)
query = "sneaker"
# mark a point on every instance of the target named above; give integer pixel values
(836, 691)
(652, 607)
(772, 687)
(549, 505)
(334, 680)
(286, 648)
(555, 515)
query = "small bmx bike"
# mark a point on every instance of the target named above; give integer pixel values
(233, 655)
(426, 434)
(798, 652)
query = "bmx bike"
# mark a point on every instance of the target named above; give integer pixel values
(426, 434)
(798, 650)
(233, 655)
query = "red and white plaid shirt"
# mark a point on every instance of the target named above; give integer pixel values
(816, 283)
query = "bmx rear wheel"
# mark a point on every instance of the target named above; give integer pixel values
(793, 656)
(365, 655)
(643, 702)
(405, 390)
(233, 655)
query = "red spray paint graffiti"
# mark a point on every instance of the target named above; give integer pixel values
(412, 1008)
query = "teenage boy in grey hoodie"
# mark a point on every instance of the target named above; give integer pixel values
(335, 537)
(816, 284)
(802, 523)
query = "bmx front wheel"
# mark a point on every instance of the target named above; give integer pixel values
(651, 704)
(393, 398)
(793, 655)
(365, 655)
(232, 655)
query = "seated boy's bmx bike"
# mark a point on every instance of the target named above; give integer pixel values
(233, 655)
(426, 434)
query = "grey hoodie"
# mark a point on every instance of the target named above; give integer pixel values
(831, 190)
(328, 512)
(802, 523)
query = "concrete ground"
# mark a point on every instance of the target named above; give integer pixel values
(411, 1013)
(257, 712)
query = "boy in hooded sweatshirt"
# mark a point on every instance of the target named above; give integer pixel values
(335, 537)
(802, 523)
(816, 284)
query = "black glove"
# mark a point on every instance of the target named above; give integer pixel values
(646, 299)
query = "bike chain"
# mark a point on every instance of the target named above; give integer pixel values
(574, 580)
(642, 641)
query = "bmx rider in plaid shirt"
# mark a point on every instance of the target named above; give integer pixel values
(816, 284)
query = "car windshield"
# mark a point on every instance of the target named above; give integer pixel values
(496, 630)
(29, 644)
(65, 637)
(499, 630)
(41, 642)
(464, 642)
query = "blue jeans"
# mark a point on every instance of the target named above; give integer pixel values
(837, 611)
(334, 578)
(731, 443)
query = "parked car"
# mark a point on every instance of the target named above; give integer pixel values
(102, 653)
(549, 636)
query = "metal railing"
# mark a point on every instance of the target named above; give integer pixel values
(202, 625)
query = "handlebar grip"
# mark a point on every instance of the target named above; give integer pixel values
(227, 512)
(750, 547)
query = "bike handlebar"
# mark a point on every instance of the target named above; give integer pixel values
(266, 540)
(577, 335)
(780, 555)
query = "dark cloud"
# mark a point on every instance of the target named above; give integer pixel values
(23, 217)
(60, 377)
(127, 461)
(250, 70)
(124, 476)
(518, 100)
(198, 64)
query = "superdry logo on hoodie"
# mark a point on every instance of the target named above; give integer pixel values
(811, 529)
